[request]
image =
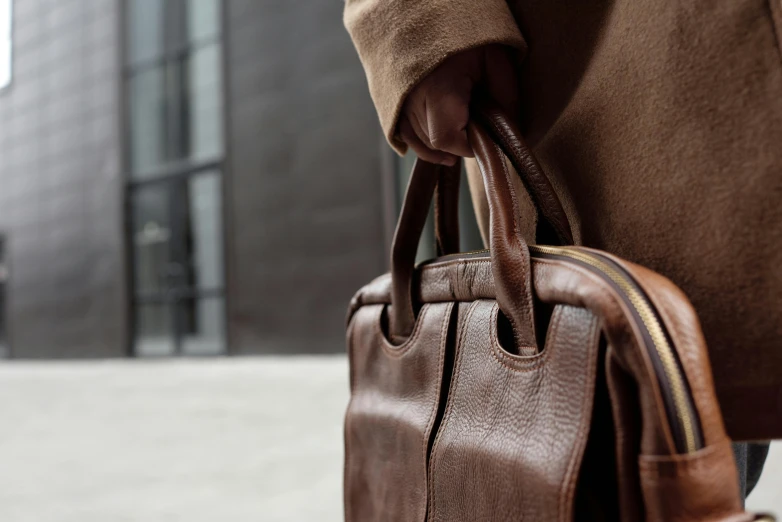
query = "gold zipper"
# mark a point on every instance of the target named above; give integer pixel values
(674, 375)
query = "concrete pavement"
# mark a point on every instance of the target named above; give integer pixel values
(196, 440)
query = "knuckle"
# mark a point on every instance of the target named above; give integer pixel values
(443, 139)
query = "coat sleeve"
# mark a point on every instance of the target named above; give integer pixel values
(401, 41)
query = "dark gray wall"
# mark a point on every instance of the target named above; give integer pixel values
(304, 191)
(60, 184)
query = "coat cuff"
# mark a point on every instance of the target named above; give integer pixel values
(401, 41)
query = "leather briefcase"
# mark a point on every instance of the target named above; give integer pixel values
(527, 382)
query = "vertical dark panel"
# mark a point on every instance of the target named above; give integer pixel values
(305, 198)
(60, 184)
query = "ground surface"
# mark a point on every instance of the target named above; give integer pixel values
(240, 440)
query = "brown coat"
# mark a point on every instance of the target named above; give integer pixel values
(660, 124)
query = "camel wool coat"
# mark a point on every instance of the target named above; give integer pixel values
(659, 123)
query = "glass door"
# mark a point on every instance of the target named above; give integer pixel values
(173, 79)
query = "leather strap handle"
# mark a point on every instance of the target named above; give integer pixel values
(509, 252)
(412, 218)
(553, 223)
(446, 209)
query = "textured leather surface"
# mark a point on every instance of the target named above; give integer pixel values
(515, 429)
(508, 249)
(395, 393)
(453, 419)
(639, 418)
(686, 488)
(659, 124)
(504, 131)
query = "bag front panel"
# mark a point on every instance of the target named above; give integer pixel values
(514, 431)
(395, 392)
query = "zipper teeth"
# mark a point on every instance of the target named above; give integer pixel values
(648, 317)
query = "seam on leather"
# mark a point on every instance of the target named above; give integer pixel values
(684, 463)
(400, 350)
(517, 236)
(448, 407)
(451, 262)
(584, 428)
(348, 419)
(433, 416)
(348, 452)
(349, 338)
(692, 352)
(651, 378)
(526, 363)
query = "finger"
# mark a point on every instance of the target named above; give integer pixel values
(447, 114)
(417, 120)
(501, 78)
(409, 136)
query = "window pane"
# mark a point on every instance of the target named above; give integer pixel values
(205, 226)
(154, 331)
(205, 103)
(154, 270)
(145, 29)
(203, 321)
(203, 19)
(176, 112)
(148, 118)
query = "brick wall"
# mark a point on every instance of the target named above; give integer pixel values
(304, 190)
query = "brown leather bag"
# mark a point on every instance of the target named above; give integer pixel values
(528, 382)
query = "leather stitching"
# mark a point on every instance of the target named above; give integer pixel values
(400, 350)
(448, 408)
(451, 262)
(690, 463)
(518, 363)
(345, 423)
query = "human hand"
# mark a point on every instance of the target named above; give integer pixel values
(435, 114)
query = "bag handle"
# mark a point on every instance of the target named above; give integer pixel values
(510, 255)
(509, 252)
(553, 224)
(446, 209)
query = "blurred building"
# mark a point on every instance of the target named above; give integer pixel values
(185, 177)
